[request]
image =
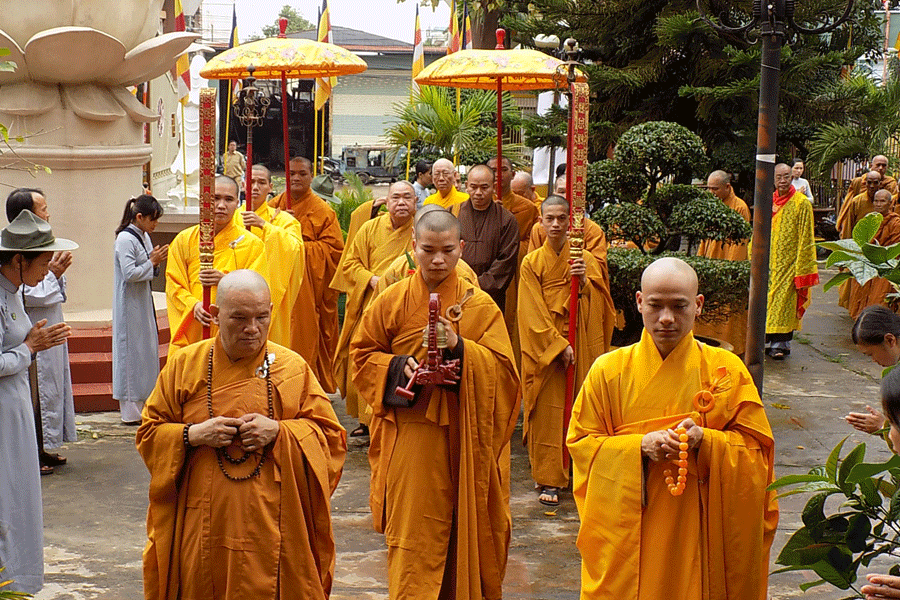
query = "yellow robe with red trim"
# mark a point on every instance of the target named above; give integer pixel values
(286, 265)
(323, 242)
(544, 293)
(637, 541)
(734, 330)
(400, 269)
(373, 249)
(183, 288)
(265, 538)
(444, 463)
(452, 199)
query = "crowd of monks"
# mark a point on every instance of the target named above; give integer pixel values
(500, 258)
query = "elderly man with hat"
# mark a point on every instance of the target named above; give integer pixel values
(26, 249)
(323, 242)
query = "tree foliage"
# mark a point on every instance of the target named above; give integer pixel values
(295, 22)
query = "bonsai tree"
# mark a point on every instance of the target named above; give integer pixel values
(634, 206)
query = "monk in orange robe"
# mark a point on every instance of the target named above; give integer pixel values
(242, 467)
(858, 184)
(323, 241)
(637, 539)
(544, 295)
(440, 465)
(852, 210)
(376, 245)
(734, 330)
(526, 216)
(875, 290)
(523, 184)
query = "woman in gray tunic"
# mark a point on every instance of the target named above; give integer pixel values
(135, 338)
(21, 518)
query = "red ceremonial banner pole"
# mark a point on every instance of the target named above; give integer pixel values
(207, 187)
(576, 171)
(501, 35)
(282, 26)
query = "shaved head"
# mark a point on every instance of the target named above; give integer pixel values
(301, 160)
(243, 312)
(554, 200)
(720, 177)
(240, 280)
(437, 221)
(427, 209)
(523, 184)
(443, 163)
(668, 302)
(882, 201)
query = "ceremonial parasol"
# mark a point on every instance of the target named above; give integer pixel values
(283, 58)
(523, 69)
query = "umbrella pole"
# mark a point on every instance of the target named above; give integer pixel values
(315, 161)
(287, 141)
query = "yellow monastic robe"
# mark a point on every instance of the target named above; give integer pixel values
(858, 186)
(373, 249)
(452, 199)
(544, 292)
(637, 541)
(734, 330)
(358, 217)
(286, 263)
(323, 242)
(538, 200)
(235, 248)
(440, 469)
(401, 269)
(792, 265)
(875, 290)
(264, 538)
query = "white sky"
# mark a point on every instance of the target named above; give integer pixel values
(387, 18)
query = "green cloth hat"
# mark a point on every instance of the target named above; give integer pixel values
(323, 188)
(29, 233)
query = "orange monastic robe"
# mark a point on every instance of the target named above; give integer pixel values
(373, 249)
(874, 290)
(323, 241)
(853, 209)
(721, 527)
(440, 469)
(264, 538)
(235, 248)
(400, 269)
(734, 330)
(286, 265)
(858, 186)
(526, 215)
(544, 290)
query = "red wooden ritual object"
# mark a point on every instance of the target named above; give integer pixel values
(207, 186)
(434, 370)
(576, 170)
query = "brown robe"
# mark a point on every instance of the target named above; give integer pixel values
(491, 246)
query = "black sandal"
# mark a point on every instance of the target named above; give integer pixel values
(360, 431)
(778, 354)
(553, 496)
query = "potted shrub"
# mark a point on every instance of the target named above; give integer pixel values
(642, 201)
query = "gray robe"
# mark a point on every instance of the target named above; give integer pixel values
(135, 349)
(44, 301)
(21, 516)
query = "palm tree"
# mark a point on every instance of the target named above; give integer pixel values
(869, 122)
(432, 125)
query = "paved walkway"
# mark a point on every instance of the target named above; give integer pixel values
(95, 507)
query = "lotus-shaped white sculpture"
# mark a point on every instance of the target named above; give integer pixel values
(82, 54)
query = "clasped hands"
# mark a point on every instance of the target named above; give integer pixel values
(255, 431)
(663, 445)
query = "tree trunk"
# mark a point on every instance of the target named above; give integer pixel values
(484, 29)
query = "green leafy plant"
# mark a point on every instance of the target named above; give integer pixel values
(351, 196)
(863, 525)
(724, 284)
(611, 181)
(863, 257)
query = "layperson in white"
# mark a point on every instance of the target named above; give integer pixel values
(21, 517)
(135, 350)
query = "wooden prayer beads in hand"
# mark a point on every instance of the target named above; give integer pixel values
(676, 489)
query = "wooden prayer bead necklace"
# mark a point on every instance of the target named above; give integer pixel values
(676, 489)
(222, 452)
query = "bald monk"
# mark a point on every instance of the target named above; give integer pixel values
(858, 184)
(235, 248)
(440, 467)
(637, 540)
(219, 528)
(875, 290)
(523, 184)
(443, 175)
(734, 330)
(544, 294)
(374, 248)
(490, 235)
(405, 265)
(323, 241)
(285, 256)
(852, 210)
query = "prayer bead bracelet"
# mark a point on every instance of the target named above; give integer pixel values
(184, 434)
(676, 489)
(220, 452)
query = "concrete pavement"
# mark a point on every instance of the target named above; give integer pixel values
(95, 507)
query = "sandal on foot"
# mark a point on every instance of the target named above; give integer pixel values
(360, 431)
(45, 470)
(52, 460)
(549, 496)
(778, 354)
